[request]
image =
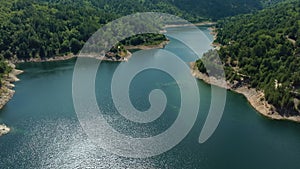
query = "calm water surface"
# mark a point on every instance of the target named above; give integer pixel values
(46, 133)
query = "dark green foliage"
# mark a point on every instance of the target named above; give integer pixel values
(192, 10)
(201, 66)
(217, 9)
(265, 46)
(4, 69)
(146, 39)
(32, 29)
(46, 28)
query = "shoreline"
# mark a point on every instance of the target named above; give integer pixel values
(206, 23)
(37, 60)
(214, 33)
(254, 97)
(111, 59)
(6, 91)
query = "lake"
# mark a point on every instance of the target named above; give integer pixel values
(47, 134)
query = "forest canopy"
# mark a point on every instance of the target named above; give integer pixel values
(263, 51)
(47, 28)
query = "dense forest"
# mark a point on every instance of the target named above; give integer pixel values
(263, 50)
(192, 10)
(46, 28)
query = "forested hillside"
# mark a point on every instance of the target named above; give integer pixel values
(263, 50)
(47, 28)
(192, 10)
(217, 9)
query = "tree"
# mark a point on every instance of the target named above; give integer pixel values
(75, 45)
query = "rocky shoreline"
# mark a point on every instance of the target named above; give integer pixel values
(255, 97)
(6, 91)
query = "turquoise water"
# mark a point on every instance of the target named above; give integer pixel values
(46, 132)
